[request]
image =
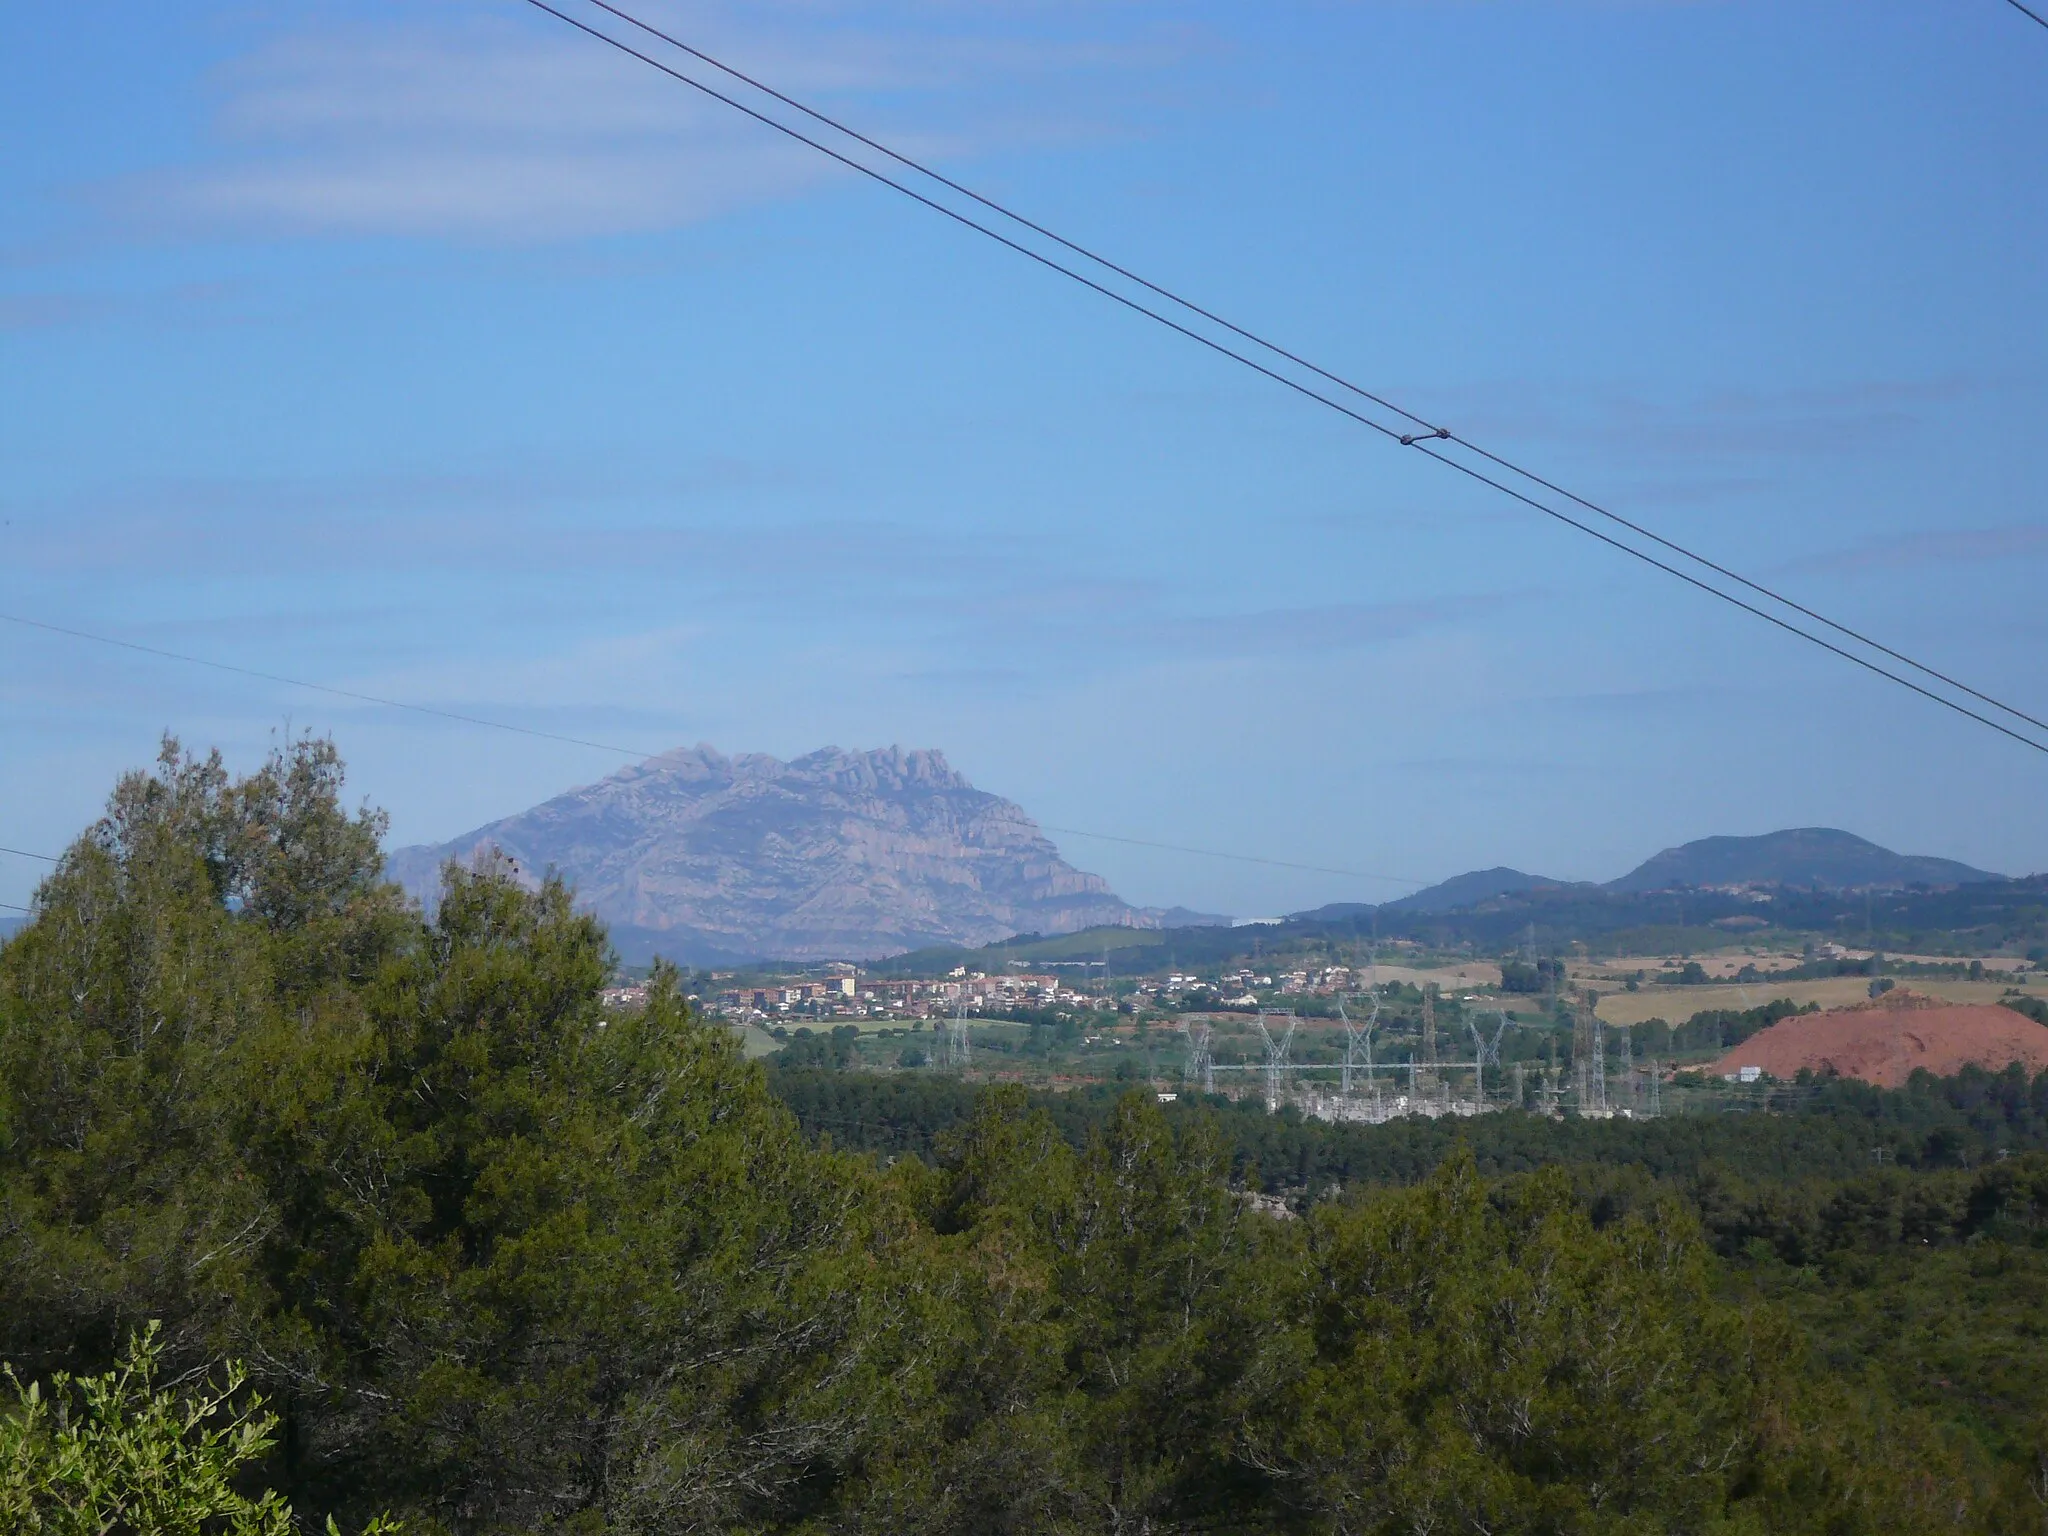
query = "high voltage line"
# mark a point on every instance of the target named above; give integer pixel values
(1422, 439)
(2030, 14)
(637, 753)
(299, 682)
(1242, 858)
(1430, 430)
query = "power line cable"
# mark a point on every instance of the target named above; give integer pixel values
(1007, 212)
(1751, 608)
(23, 853)
(340, 693)
(636, 753)
(960, 218)
(1757, 587)
(1421, 439)
(2031, 15)
(1314, 869)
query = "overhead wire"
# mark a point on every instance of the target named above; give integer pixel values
(1758, 587)
(1431, 428)
(1423, 439)
(639, 754)
(960, 218)
(2031, 15)
(299, 682)
(1314, 869)
(1751, 608)
(1007, 212)
(23, 853)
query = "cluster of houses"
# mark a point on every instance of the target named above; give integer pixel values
(845, 993)
(1240, 988)
(841, 991)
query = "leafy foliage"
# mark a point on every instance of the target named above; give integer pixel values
(505, 1262)
(116, 1452)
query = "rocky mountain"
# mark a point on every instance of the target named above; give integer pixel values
(837, 855)
(1820, 857)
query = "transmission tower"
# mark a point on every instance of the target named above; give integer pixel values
(1656, 1089)
(1589, 1067)
(956, 1036)
(1350, 1048)
(1483, 1051)
(1372, 1076)
(1201, 1063)
(1276, 1057)
(1429, 1024)
(1628, 1070)
(1358, 1037)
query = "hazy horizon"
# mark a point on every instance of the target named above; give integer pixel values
(444, 357)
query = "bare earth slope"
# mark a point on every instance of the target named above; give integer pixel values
(1884, 1042)
(837, 855)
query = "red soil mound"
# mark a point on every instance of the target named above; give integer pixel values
(1885, 1041)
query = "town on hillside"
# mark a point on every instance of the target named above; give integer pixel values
(1340, 1031)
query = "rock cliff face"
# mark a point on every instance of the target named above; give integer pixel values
(837, 855)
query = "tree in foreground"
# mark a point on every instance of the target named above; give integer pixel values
(501, 1262)
(119, 1453)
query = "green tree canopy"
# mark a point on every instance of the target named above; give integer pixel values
(501, 1261)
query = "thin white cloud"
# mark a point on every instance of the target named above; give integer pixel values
(1936, 546)
(1726, 425)
(494, 128)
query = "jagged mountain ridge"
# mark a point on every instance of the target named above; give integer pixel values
(835, 855)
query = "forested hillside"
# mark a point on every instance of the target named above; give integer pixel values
(498, 1261)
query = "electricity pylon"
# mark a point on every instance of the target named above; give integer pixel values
(1276, 1057)
(1201, 1064)
(956, 1036)
(1484, 1051)
(1357, 1044)
(1589, 1064)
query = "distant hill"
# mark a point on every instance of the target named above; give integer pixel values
(1452, 895)
(1810, 857)
(1470, 890)
(711, 859)
(11, 923)
(1804, 858)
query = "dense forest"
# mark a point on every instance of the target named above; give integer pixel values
(314, 1204)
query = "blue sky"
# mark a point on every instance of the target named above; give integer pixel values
(433, 352)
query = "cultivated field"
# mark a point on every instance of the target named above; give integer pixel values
(1677, 1004)
(1464, 976)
